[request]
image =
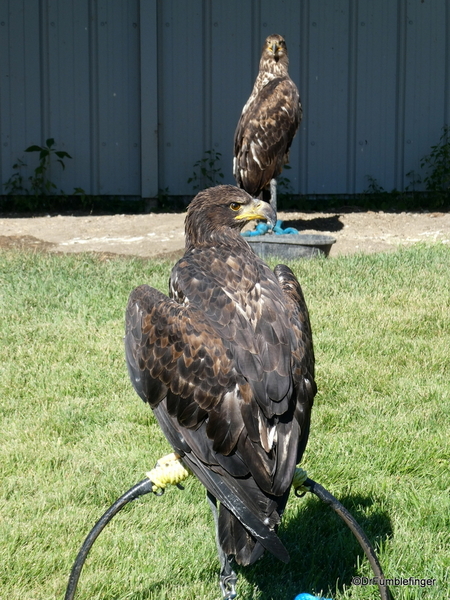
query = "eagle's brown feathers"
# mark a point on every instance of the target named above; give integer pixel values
(227, 365)
(269, 121)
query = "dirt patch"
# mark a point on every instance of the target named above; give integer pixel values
(162, 235)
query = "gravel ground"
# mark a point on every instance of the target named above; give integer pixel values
(157, 235)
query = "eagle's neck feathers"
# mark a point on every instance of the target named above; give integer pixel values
(269, 69)
(214, 237)
(275, 67)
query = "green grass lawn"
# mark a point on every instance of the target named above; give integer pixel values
(75, 436)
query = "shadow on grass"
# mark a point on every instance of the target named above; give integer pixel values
(324, 552)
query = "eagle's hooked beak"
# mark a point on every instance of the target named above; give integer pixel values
(257, 209)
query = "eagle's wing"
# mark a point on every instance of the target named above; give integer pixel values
(170, 347)
(179, 365)
(264, 134)
(225, 354)
(302, 351)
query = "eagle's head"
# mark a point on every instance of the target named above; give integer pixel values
(275, 51)
(219, 211)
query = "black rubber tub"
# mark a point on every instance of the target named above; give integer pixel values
(291, 246)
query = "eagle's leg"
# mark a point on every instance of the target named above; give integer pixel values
(228, 578)
(273, 194)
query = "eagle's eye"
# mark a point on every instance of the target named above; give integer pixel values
(235, 206)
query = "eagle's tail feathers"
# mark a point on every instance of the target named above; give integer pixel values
(235, 540)
(258, 531)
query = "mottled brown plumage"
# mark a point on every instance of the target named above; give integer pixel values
(269, 121)
(227, 365)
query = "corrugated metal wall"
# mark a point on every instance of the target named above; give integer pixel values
(71, 70)
(137, 91)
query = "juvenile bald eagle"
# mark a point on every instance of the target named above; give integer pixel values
(227, 365)
(268, 123)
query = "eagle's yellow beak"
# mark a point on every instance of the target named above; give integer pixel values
(257, 209)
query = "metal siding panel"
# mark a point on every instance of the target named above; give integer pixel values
(303, 77)
(181, 93)
(149, 98)
(94, 126)
(231, 64)
(351, 106)
(447, 64)
(118, 98)
(6, 160)
(67, 91)
(20, 102)
(425, 108)
(387, 82)
(327, 97)
(376, 91)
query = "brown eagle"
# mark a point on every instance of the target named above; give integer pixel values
(268, 123)
(227, 365)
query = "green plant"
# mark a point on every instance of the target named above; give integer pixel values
(437, 164)
(162, 199)
(415, 180)
(40, 182)
(374, 187)
(285, 191)
(436, 180)
(375, 196)
(15, 184)
(28, 192)
(207, 171)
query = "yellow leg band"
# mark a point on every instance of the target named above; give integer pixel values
(300, 476)
(168, 471)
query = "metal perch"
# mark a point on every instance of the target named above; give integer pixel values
(301, 484)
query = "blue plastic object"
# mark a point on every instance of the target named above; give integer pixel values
(262, 228)
(280, 231)
(306, 596)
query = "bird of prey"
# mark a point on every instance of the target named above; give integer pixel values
(226, 363)
(268, 123)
